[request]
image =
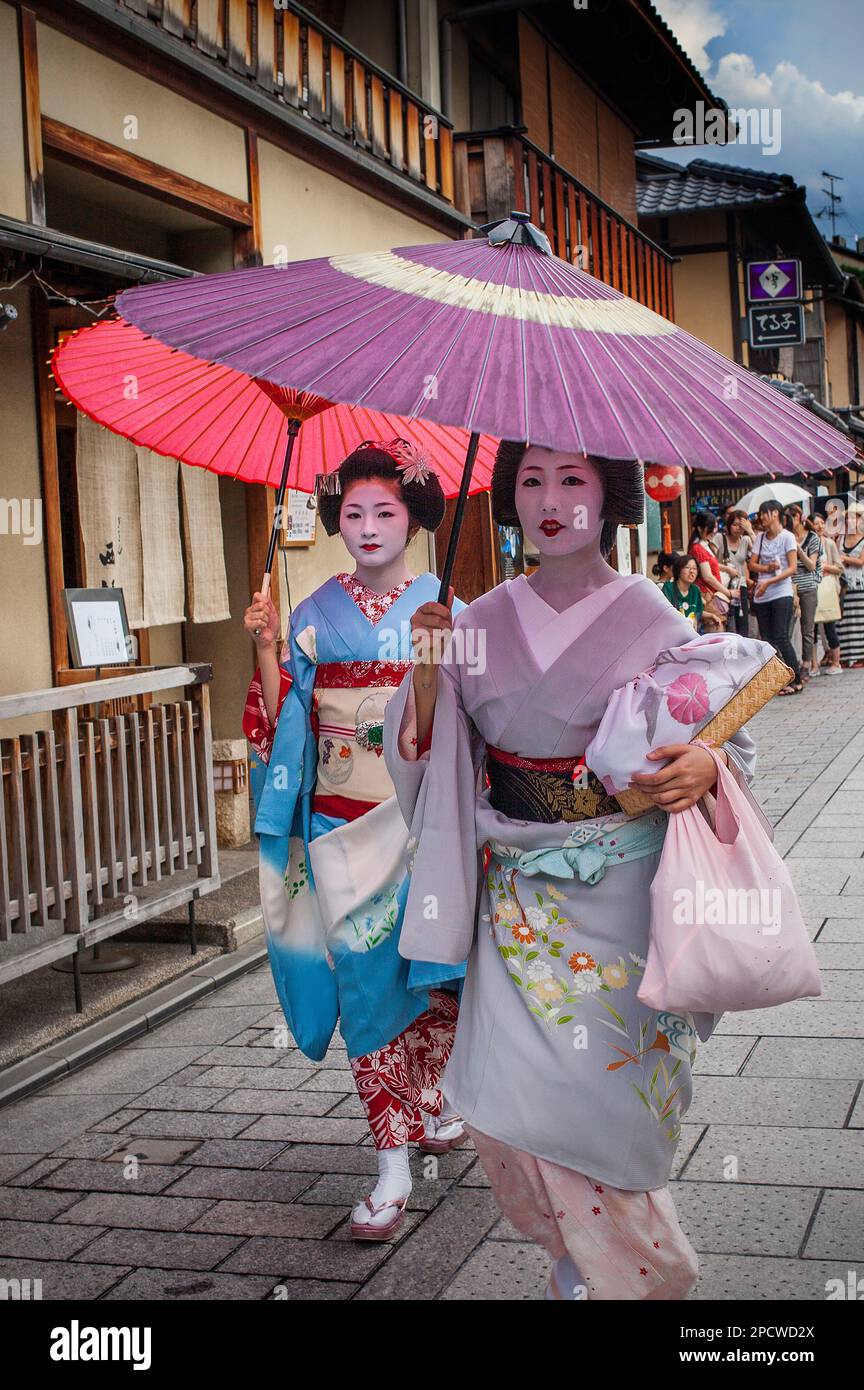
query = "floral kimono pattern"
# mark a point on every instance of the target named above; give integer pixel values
(544, 958)
(555, 1056)
(332, 840)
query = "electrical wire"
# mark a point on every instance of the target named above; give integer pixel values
(49, 291)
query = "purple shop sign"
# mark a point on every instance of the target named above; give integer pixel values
(772, 281)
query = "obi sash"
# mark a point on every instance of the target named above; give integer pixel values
(590, 849)
(545, 789)
(349, 702)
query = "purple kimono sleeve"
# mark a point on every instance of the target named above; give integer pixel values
(634, 722)
(437, 794)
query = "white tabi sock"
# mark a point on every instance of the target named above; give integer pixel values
(447, 1125)
(394, 1183)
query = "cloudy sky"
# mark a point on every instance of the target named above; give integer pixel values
(802, 58)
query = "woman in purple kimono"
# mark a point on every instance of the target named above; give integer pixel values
(572, 1090)
(332, 840)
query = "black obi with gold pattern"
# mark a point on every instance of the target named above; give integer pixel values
(545, 789)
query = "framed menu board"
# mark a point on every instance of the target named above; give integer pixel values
(97, 627)
(298, 520)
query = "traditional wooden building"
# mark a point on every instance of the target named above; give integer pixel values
(146, 140)
(715, 217)
(149, 139)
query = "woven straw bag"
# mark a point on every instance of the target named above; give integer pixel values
(726, 722)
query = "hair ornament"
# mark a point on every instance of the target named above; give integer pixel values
(328, 483)
(410, 461)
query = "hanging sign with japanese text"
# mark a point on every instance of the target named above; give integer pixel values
(769, 282)
(782, 326)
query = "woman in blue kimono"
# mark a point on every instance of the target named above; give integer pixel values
(334, 847)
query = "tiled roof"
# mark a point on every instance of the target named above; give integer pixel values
(663, 28)
(664, 188)
(798, 392)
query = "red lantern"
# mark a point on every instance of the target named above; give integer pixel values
(664, 483)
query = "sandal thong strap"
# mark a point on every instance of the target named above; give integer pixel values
(394, 1202)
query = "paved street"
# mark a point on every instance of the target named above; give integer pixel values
(250, 1156)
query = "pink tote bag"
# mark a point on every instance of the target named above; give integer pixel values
(726, 928)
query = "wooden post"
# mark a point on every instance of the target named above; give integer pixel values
(204, 773)
(21, 877)
(73, 823)
(260, 509)
(50, 482)
(33, 162)
(248, 240)
(497, 178)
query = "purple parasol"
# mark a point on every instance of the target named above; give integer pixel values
(497, 336)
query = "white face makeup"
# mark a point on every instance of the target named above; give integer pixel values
(373, 522)
(559, 498)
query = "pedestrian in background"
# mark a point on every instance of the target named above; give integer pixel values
(773, 562)
(807, 578)
(851, 625)
(722, 527)
(663, 568)
(682, 590)
(735, 548)
(715, 595)
(827, 613)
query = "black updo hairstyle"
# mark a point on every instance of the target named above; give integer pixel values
(703, 520)
(425, 501)
(665, 561)
(623, 491)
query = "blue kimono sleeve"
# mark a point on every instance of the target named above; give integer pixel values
(302, 973)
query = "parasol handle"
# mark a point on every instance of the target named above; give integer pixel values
(458, 515)
(293, 431)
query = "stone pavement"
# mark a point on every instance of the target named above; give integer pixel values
(251, 1156)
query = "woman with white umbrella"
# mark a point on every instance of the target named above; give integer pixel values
(773, 492)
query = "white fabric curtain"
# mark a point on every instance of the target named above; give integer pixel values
(160, 540)
(108, 508)
(206, 580)
(129, 510)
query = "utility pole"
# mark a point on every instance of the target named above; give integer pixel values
(834, 201)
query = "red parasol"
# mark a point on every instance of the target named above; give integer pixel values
(217, 418)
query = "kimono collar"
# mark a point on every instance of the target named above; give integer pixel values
(373, 605)
(549, 633)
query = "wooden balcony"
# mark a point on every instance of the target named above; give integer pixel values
(107, 818)
(499, 171)
(306, 69)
